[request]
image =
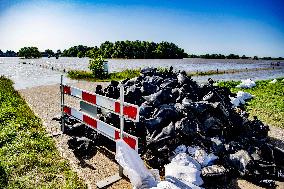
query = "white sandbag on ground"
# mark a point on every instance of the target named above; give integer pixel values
(134, 167)
(248, 83)
(244, 95)
(235, 102)
(240, 98)
(273, 81)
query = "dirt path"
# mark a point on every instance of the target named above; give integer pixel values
(45, 102)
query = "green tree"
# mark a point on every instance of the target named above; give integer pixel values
(49, 52)
(80, 54)
(244, 57)
(29, 52)
(93, 52)
(255, 58)
(233, 56)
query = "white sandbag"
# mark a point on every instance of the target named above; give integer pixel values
(186, 160)
(201, 156)
(248, 83)
(273, 81)
(244, 95)
(174, 184)
(185, 174)
(209, 159)
(240, 98)
(134, 167)
(180, 149)
(166, 185)
(181, 184)
(156, 174)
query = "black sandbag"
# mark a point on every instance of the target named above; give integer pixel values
(152, 124)
(148, 88)
(187, 127)
(278, 156)
(241, 161)
(112, 91)
(82, 146)
(146, 111)
(166, 133)
(161, 97)
(169, 83)
(99, 90)
(212, 126)
(214, 174)
(217, 145)
(148, 71)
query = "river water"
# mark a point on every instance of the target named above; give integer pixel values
(47, 71)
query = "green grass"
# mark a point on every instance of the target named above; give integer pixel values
(229, 71)
(87, 75)
(268, 103)
(28, 157)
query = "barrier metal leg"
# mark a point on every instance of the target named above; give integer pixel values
(62, 105)
(112, 179)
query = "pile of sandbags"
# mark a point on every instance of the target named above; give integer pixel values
(175, 110)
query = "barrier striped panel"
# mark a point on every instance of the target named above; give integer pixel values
(130, 111)
(104, 128)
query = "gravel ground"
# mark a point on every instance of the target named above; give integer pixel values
(45, 102)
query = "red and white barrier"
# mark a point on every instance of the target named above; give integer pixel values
(130, 111)
(102, 127)
(87, 115)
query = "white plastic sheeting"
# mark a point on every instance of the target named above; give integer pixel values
(134, 167)
(248, 83)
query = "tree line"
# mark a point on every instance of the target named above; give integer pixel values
(8, 53)
(125, 49)
(128, 49)
(232, 56)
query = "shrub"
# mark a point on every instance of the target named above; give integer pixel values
(96, 65)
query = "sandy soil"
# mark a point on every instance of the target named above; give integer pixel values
(45, 102)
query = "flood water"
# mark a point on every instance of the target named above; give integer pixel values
(47, 71)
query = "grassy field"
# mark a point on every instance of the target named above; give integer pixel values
(87, 75)
(268, 104)
(28, 157)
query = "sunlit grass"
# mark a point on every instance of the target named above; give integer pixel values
(268, 103)
(28, 157)
(87, 75)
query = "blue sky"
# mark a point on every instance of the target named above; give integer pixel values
(251, 27)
